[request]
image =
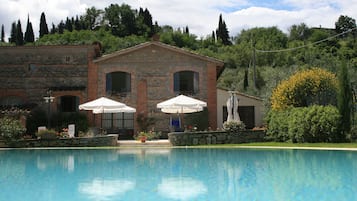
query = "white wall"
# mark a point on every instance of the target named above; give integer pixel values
(244, 100)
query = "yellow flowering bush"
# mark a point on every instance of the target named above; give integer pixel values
(314, 86)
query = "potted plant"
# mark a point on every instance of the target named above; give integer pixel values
(142, 137)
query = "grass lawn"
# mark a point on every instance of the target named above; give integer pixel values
(286, 144)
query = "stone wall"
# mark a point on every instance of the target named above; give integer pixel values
(215, 137)
(29, 71)
(107, 140)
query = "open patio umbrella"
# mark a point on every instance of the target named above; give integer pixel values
(125, 109)
(106, 105)
(181, 104)
(101, 104)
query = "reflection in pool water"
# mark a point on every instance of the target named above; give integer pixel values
(177, 188)
(105, 189)
(177, 174)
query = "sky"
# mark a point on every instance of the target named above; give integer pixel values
(201, 16)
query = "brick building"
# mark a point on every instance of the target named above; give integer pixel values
(140, 76)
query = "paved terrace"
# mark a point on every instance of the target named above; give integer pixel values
(150, 143)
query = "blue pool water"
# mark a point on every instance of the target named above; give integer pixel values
(177, 174)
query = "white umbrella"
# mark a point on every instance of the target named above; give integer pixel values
(100, 104)
(106, 105)
(125, 109)
(182, 104)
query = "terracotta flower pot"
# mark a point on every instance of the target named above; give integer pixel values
(143, 139)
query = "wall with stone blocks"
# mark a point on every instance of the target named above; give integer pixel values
(107, 140)
(215, 137)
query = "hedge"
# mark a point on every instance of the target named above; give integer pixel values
(305, 124)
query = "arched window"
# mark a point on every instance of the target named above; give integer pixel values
(118, 83)
(186, 82)
(68, 104)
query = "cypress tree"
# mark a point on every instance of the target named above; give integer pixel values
(187, 31)
(29, 35)
(213, 36)
(53, 29)
(148, 21)
(222, 32)
(245, 84)
(2, 33)
(43, 25)
(19, 34)
(77, 24)
(12, 38)
(345, 98)
(61, 27)
(68, 25)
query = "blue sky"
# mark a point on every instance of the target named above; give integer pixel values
(201, 16)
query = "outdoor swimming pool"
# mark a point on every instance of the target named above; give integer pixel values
(177, 174)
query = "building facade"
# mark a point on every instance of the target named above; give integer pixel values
(140, 76)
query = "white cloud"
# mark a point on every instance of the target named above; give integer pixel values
(266, 17)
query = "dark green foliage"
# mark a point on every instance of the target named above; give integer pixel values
(245, 79)
(12, 38)
(278, 125)
(68, 25)
(54, 29)
(77, 24)
(11, 129)
(344, 24)
(145, 122)
(29, 35)
(222, 32)
(2, 34)
(121, 20)
(147, 26)
(345, 98)
(305, 124)
(19, 34)
(260, 82)
(43, 25)
(91, 18)
(299, 32)
(61, 120)
(197, 120)
(61, 27)
(36, 118)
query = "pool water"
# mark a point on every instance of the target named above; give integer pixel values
(159, 174)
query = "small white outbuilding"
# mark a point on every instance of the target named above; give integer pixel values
(250, 109)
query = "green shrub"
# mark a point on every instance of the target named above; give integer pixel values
(233, 126)
(277, 121)
(199, 120)
(61, 120)
(36, 118)
(306, 124)
(47, 134)
(298, 130)
(11, 129)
